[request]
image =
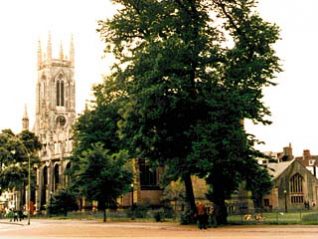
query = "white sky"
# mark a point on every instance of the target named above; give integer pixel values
(293, 102)
(23, 22)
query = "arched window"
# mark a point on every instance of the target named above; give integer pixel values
(66, 173)
(60, 91)
(44, 186)
(56, 176)
(296, 188)
(148, 176)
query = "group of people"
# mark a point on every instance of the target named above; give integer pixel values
(205, 216)
(15, 215)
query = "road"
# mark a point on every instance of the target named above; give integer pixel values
(136, 230)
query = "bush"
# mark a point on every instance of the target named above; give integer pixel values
(61, 203)
(158, 215)
(186, 218)
(138, 211)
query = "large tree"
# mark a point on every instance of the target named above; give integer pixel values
(191, 71)
(101, 169)
(15, 153)
(102, 176)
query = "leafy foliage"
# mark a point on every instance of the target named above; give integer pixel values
(102, 176)
(15, 151)
(62, 202)
(190, 72)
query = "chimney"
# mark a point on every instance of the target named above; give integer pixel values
(288, 153)
(306, 154)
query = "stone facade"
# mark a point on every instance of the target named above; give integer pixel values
(293, 186)
(55, 115)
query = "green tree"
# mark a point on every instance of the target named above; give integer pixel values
(62, 202)
(15, 151)
(100, 168)
(191, 71)
(102, 176)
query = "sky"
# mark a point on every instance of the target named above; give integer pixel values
(293, 102)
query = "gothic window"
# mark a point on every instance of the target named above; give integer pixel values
(67, 173)
(45, 181)
(60, 91)
(56, 176)
(44, 187)
(148, 176)
(296, 189)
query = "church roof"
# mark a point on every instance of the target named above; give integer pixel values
(276, 169)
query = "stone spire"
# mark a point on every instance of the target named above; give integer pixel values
(72, 51)
(49, 49)
(25, 119)
(61, 51)
(39, 54)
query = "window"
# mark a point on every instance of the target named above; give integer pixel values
(148, 176)
(60, 91)
(60, 121)
(296, 189)
(56, 176)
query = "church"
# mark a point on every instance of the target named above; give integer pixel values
(55, 115)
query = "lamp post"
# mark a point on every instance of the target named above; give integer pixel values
(29, 185)
(285, 194)
(132, 194)
(29, 181)
(132, 202)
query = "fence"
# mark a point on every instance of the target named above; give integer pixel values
(274, 216)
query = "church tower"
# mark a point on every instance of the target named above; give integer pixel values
(25, 120)
(55, 115)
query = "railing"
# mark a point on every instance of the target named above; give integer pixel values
(274, 216)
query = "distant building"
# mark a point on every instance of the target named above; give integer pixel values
(309, 161)
(293, 186)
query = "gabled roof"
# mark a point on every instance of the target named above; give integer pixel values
(276, 169)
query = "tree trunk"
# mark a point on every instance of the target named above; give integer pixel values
(219, 204)
(189, 193)
(257, 200)
(104, 214)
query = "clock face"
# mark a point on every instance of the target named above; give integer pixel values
(60, 121)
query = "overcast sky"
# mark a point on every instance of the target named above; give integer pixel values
(293, 101)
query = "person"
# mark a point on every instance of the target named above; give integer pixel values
(201, 215)
(15, 215)
(313, 204)
(213, 221)
(306, 205)
(10, 214)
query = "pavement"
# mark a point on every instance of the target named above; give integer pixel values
(41, 228)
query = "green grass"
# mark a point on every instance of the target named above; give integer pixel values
(296, 217)
(118, 216)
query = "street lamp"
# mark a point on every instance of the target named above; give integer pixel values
(132, 202)
(29, 184)
(285, 194)
(132, 194)
(29, 181)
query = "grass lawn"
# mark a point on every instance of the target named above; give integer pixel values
(279, 217)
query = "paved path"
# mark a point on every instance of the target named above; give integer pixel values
(135, 230)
